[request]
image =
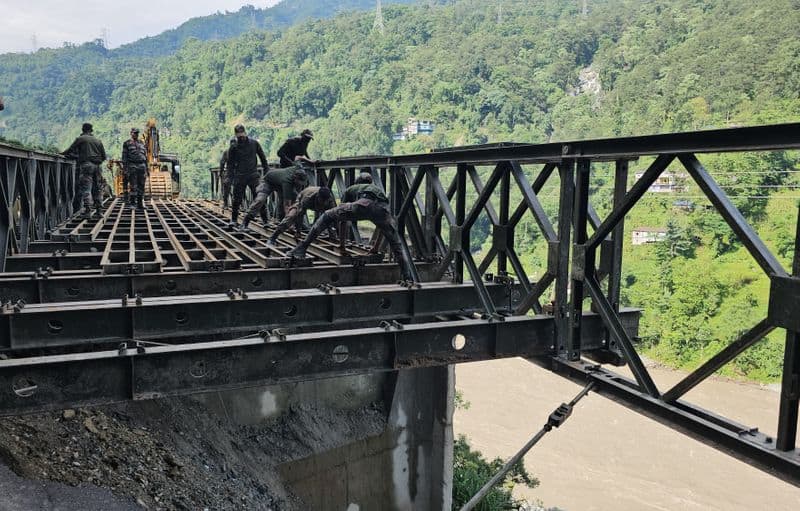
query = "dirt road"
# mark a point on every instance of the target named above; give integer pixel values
(609, 458)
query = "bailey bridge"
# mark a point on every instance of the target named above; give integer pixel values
(137, 305)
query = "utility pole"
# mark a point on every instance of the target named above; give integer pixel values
(378, 25)
(34, 43)
(104, 37)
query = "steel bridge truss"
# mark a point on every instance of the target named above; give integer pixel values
(196, 306)
(585, 259)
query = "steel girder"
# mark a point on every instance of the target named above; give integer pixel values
(231, 314)
(744, 443)
(47, 286)
(136, 372)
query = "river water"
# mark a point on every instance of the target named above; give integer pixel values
(606, 457)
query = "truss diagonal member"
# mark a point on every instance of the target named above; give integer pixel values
(487, 260)
(442, 266)
(615, 328)
(444, 199)
(749, 338)
(532, 202)
(537, 186)
(732, 216)
(478, 184)
(531, 301)
(636, 192)
(408, 202)
(451, 191)
(483, 197)
(516, 264)
(477, 281)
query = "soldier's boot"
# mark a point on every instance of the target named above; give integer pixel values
(125, 198)
(234, 220)
(299, 252)
(86, 213)
(246, 222)
(264, 217)
(139, 203)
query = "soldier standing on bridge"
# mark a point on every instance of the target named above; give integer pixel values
(316, 198)
(295, 150)
(134, 167)
(225, 179)
(285, 183)
(242, 165)
(90, 154)
(362, 201)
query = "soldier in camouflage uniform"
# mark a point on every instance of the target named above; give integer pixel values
(134, 164)
(316, 198)
(362, 201)
(286, 183)
(90, 154)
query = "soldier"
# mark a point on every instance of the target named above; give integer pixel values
(134, 168)
(225, 179)
(90, 154)
(286, 183)
(295, 150)
(362, 201)
(319, 199)
(243, 168)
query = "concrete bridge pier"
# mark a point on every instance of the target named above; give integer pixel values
(398, 458)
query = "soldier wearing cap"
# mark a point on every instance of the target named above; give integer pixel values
(134, 168)
(295, 149)
(242, 167)
(90, 154)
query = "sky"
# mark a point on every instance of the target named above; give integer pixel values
(55, 21)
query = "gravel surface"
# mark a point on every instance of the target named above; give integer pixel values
(164, 454)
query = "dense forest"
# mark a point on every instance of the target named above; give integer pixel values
(510, 70)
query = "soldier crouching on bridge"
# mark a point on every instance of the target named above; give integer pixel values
(134, 168)
(316, 198)
(362, 201)
(242, 166)
(286, 183)
(90, 154)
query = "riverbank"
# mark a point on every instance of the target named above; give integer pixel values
(607, 457)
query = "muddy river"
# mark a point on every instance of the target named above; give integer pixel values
(607, 457)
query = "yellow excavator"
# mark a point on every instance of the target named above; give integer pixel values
(163, 169)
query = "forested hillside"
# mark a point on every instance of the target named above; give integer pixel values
(231, 24)
(532, 71)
